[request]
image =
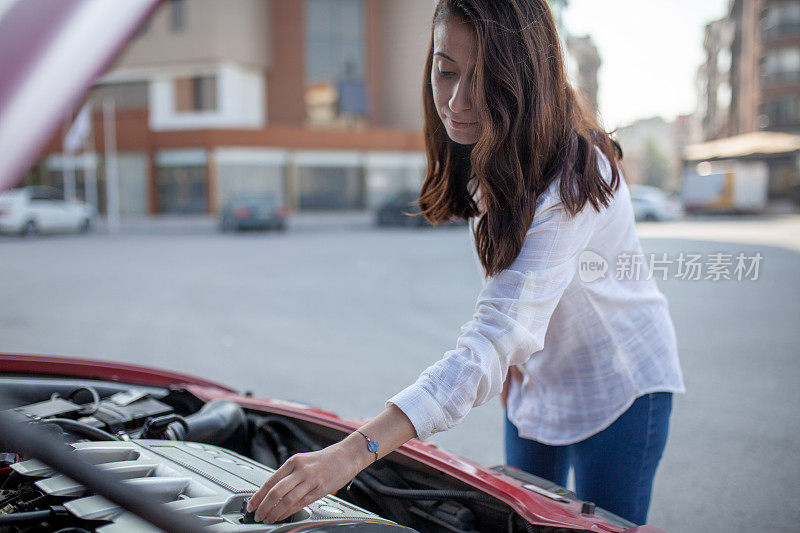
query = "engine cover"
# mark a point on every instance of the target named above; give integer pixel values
(207, 481)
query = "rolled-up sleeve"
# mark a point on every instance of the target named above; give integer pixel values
(509, 324)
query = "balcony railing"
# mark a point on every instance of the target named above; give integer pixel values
(781, 77)
(780, 30)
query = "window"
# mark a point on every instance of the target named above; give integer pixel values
(335, 39)
(723, 96)
(781, 18)
(182, 189)
(129, 95)
(782, 113)
(177, 14)
(783, 64)
(198, 93)
(330, 188)
(724, 61)
(335, 58)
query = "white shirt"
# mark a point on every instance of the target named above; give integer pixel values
(587, 348)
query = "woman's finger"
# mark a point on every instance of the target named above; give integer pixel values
(290, 503)
(278, 475)
(277, 493)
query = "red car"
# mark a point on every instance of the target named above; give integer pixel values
(179, 452)
(203, 449)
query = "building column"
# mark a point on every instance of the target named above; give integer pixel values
(152, 184)
(292, 183)
(211, 182)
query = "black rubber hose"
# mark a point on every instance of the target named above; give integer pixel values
(12, 475)
(262, 451)
(529, 528)
(369, 493)
(31, 441)
(424, 494)
(25, 517)
(280, 447)
(215, 423)
(295, 430)
(79, 427)
(95, 405)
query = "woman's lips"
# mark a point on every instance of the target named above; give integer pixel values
(461, 125)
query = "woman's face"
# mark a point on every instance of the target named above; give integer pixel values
(453, 67)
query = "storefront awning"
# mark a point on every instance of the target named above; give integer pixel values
(748, 144)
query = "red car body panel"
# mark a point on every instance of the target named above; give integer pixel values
(106, 370)
(533, 507)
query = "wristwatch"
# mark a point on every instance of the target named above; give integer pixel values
(372, 445)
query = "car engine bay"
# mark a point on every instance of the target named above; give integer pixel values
(206, 459)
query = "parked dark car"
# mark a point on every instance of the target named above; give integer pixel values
(254, 213)
(393, 212)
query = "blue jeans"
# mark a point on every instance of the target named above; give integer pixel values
(613, 468)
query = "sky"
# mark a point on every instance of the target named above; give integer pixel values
(650, 52)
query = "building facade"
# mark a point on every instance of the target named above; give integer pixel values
(653, 151)
(715, 91)
(750, 82)
(314, 101)
(778, 66)
(583, 64)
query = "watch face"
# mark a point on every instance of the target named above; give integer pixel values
(373, 446)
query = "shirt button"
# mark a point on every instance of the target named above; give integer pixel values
(529, 273)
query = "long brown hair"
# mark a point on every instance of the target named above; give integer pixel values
(533, 129)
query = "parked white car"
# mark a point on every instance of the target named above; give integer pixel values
(32, 210)
(652, 204)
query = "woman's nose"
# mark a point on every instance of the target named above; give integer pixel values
(461, 100)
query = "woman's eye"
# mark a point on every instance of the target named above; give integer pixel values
(444, 73)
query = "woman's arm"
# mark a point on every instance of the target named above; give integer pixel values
(509, 325)
(307, 477)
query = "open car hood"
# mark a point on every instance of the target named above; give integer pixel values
(535, 501)
(52, 53)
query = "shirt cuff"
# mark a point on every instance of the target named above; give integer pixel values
(421, 408)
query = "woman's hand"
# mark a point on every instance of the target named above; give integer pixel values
(307, 477)
(303, 479)
(513, 372)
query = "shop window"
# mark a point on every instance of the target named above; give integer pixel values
(198, 93)
(182, 189)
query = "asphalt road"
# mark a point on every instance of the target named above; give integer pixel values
(342, 316)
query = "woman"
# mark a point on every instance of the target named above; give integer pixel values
(594, 360)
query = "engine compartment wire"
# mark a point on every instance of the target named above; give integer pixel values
(81, 428)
